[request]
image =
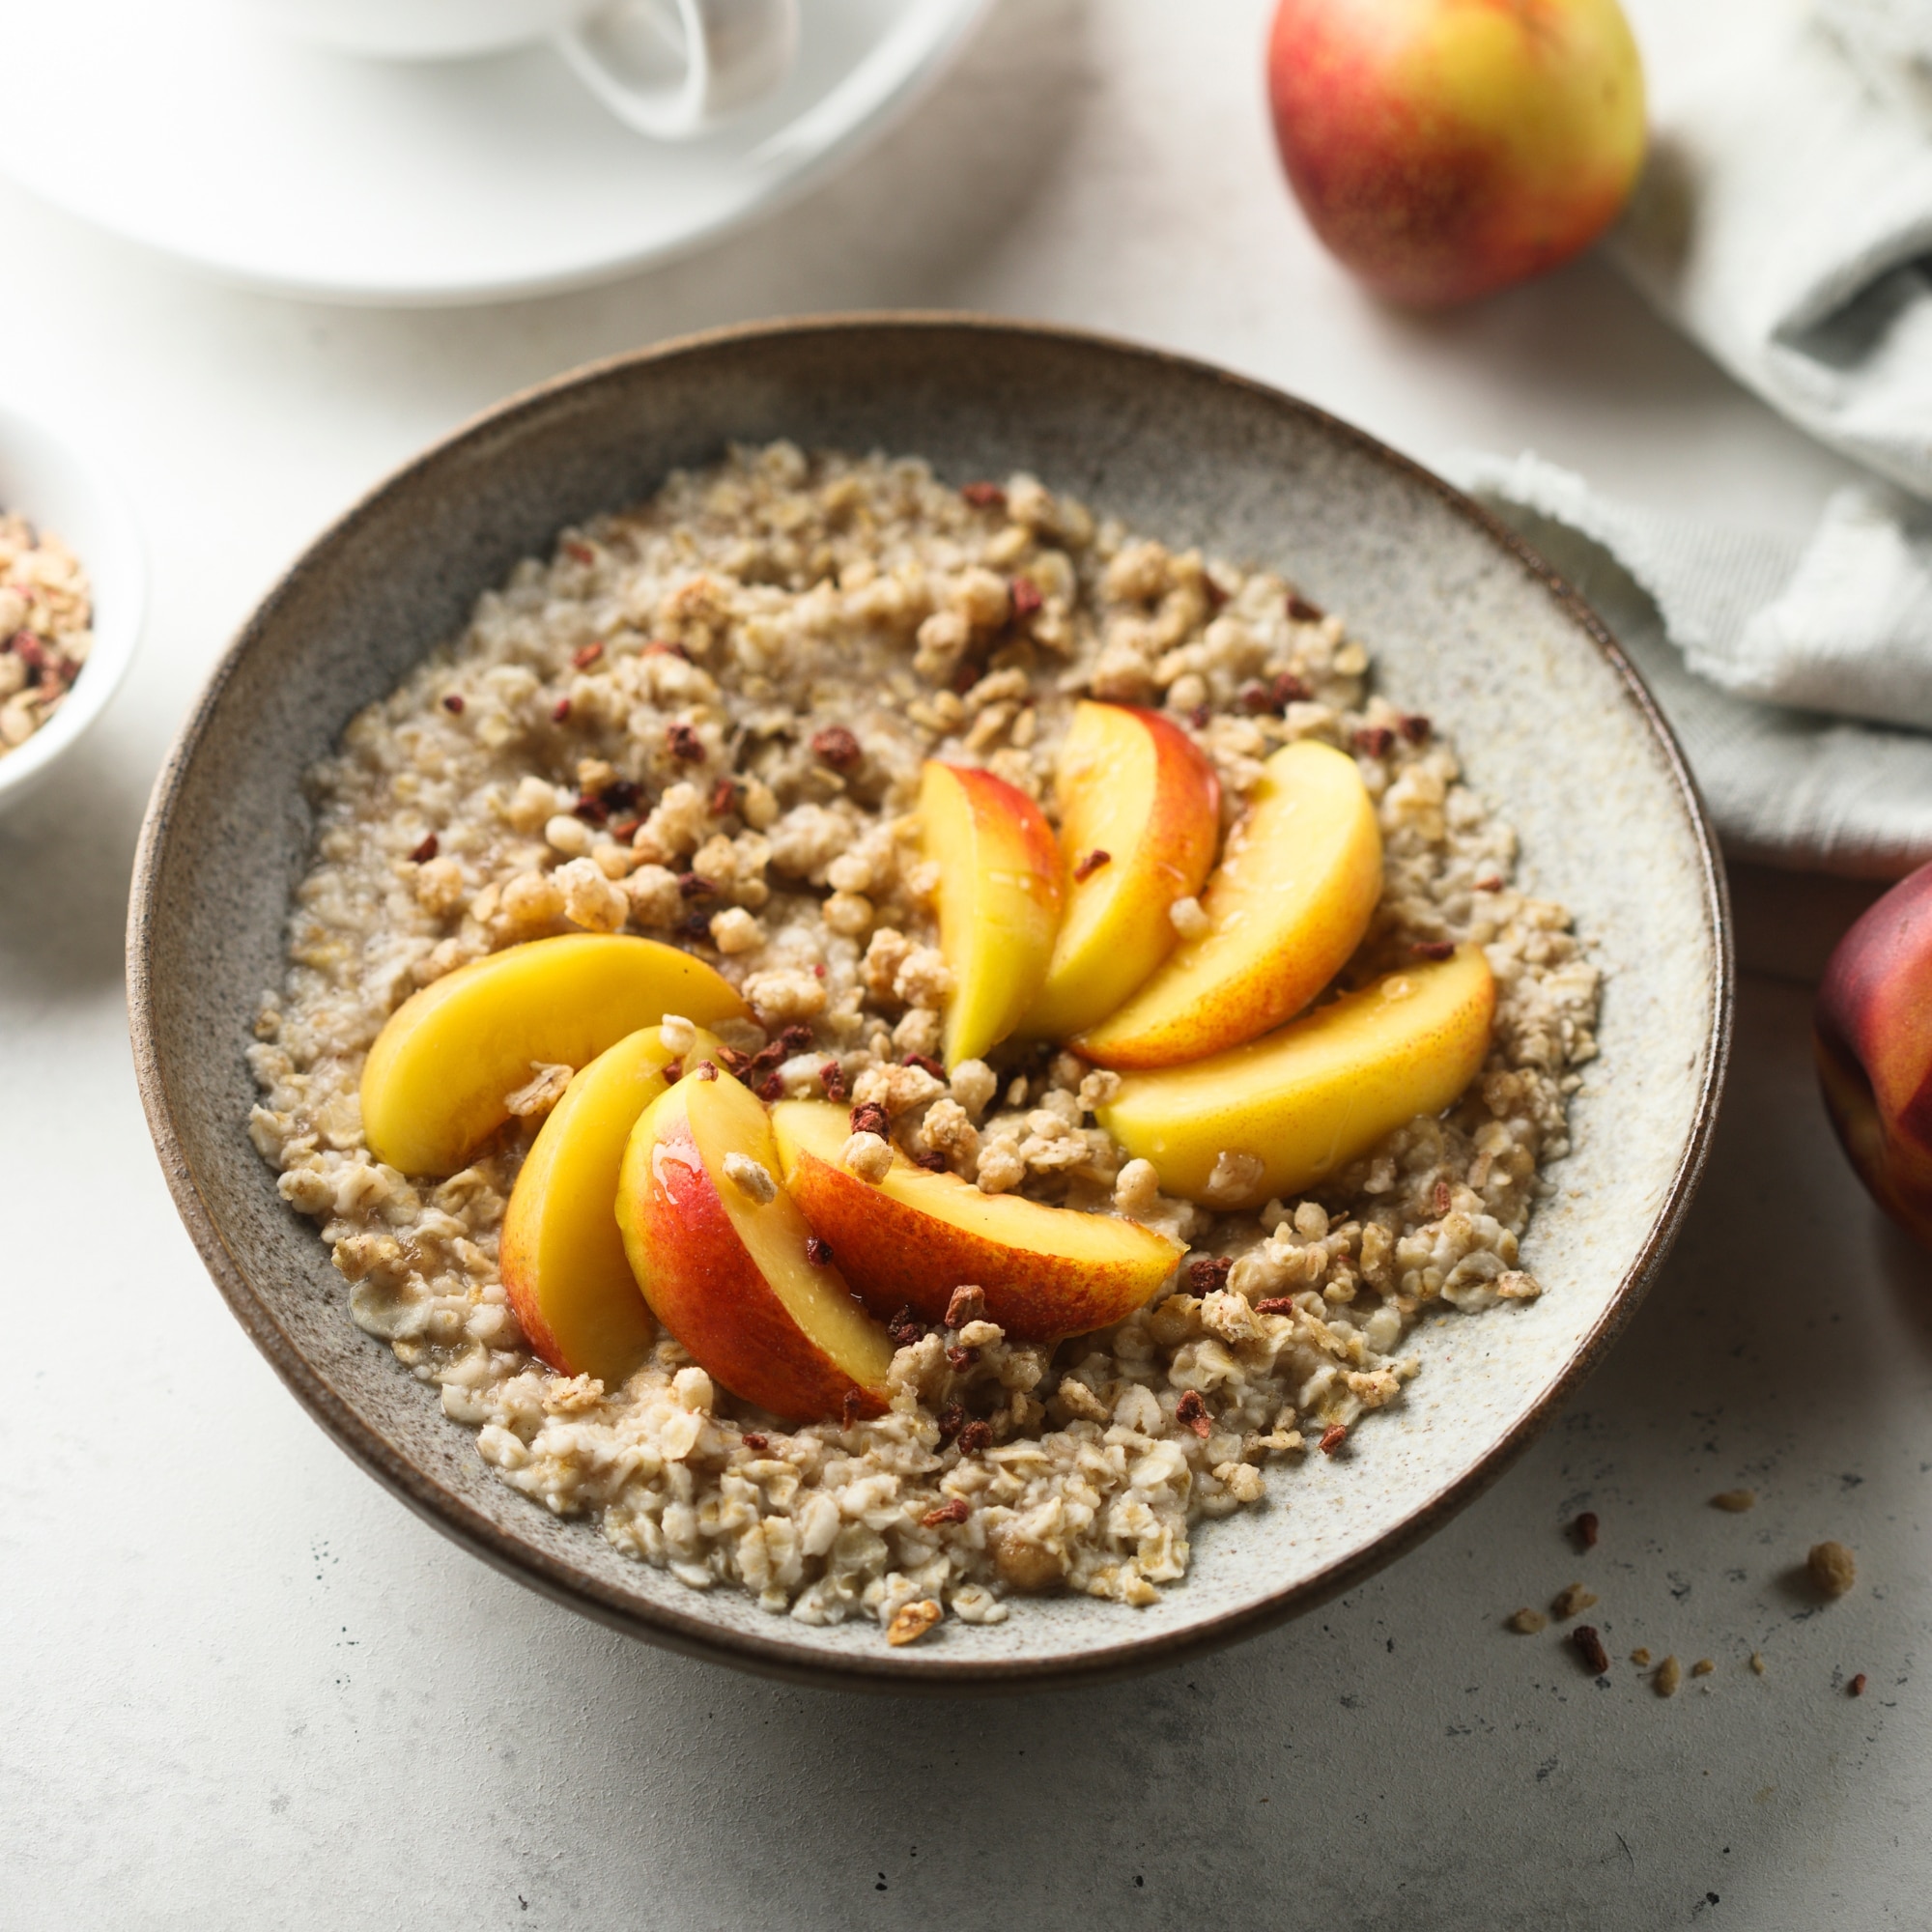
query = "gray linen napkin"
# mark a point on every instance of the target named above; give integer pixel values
(1784, 221)
(1714, 620)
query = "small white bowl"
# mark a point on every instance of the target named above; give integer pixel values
(44, 478)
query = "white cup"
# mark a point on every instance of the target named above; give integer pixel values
(670, 68)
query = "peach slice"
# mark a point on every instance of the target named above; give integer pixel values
(437, 1079)
(1140, 815)
(723, 1266)
(913, 1236)
(1285, 908)
(561, 1257)
(999, 899)
(1288, 1110)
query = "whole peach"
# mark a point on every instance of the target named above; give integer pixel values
(1446, 148)
(1874, 1039)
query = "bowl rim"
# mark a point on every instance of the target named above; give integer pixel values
(126, 560)
(694, 1634)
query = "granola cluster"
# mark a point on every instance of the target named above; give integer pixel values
(45, 613)
(703, 718)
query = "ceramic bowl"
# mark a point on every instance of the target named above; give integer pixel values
(44, 477)
(1466, 625)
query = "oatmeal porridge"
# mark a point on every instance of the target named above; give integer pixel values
(811, 722)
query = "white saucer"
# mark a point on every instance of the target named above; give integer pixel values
(280, 166)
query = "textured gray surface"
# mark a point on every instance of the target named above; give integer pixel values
(245, 1687)
(1463, 630)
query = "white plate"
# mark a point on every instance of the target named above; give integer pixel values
(173, 123)
(47, 480)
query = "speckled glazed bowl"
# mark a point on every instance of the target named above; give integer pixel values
(1465, 624)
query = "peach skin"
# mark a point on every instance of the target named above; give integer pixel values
(1874, 1040)
(1288, 1110)
(436, 1080)
(718, 1248)
(560, 1255)
(1140, 816)
(913, 1237)
(999, 899)
(1288, 905)
(1445, 147)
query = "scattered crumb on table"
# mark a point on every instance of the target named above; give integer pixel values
(1569, 1601)
(1589, 1646)
(1737, 1501)
(1669, 1675)
(1526, 1622)
(1833, 1567)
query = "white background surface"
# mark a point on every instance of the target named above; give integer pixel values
(243, 1688)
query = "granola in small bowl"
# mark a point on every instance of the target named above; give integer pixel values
(714, 722)
(47, 617)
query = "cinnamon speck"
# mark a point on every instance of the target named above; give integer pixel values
(955, 1509)
(1208, 1273)
(1091, 864)
(838, 748)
